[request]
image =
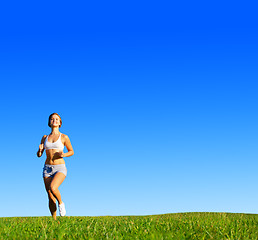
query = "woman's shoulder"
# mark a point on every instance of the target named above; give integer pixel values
(64, 136)
(43, 138)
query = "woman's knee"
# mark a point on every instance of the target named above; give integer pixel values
(53, 188)
(51, 196)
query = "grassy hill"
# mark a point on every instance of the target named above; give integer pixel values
(166, 226)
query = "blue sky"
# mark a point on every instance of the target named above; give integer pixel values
(159, 101)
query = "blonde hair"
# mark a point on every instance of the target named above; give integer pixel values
(50, 118)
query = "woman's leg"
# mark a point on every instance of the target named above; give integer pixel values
(54, 185)
(51, 198)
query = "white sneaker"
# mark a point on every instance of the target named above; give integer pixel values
(62, 210)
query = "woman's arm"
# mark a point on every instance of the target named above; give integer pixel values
(41, 147)
(69, 147)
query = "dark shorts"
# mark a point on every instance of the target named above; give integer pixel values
(51, 170)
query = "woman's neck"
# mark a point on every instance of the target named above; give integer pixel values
(55, 131)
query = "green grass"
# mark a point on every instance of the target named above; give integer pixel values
(166, 226)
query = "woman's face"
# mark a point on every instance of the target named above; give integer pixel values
(55, 121)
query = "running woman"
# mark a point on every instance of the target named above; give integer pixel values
(54, 171)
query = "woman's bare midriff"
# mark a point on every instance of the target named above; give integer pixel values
(53, 157)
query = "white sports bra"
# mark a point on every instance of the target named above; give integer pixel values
(55, 145)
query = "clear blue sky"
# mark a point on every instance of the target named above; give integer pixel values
(159, 101)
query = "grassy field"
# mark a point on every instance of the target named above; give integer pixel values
(166, 226)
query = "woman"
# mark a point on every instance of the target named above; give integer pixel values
(54, 171)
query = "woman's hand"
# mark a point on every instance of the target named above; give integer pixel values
(61, 154)
(41, 149)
